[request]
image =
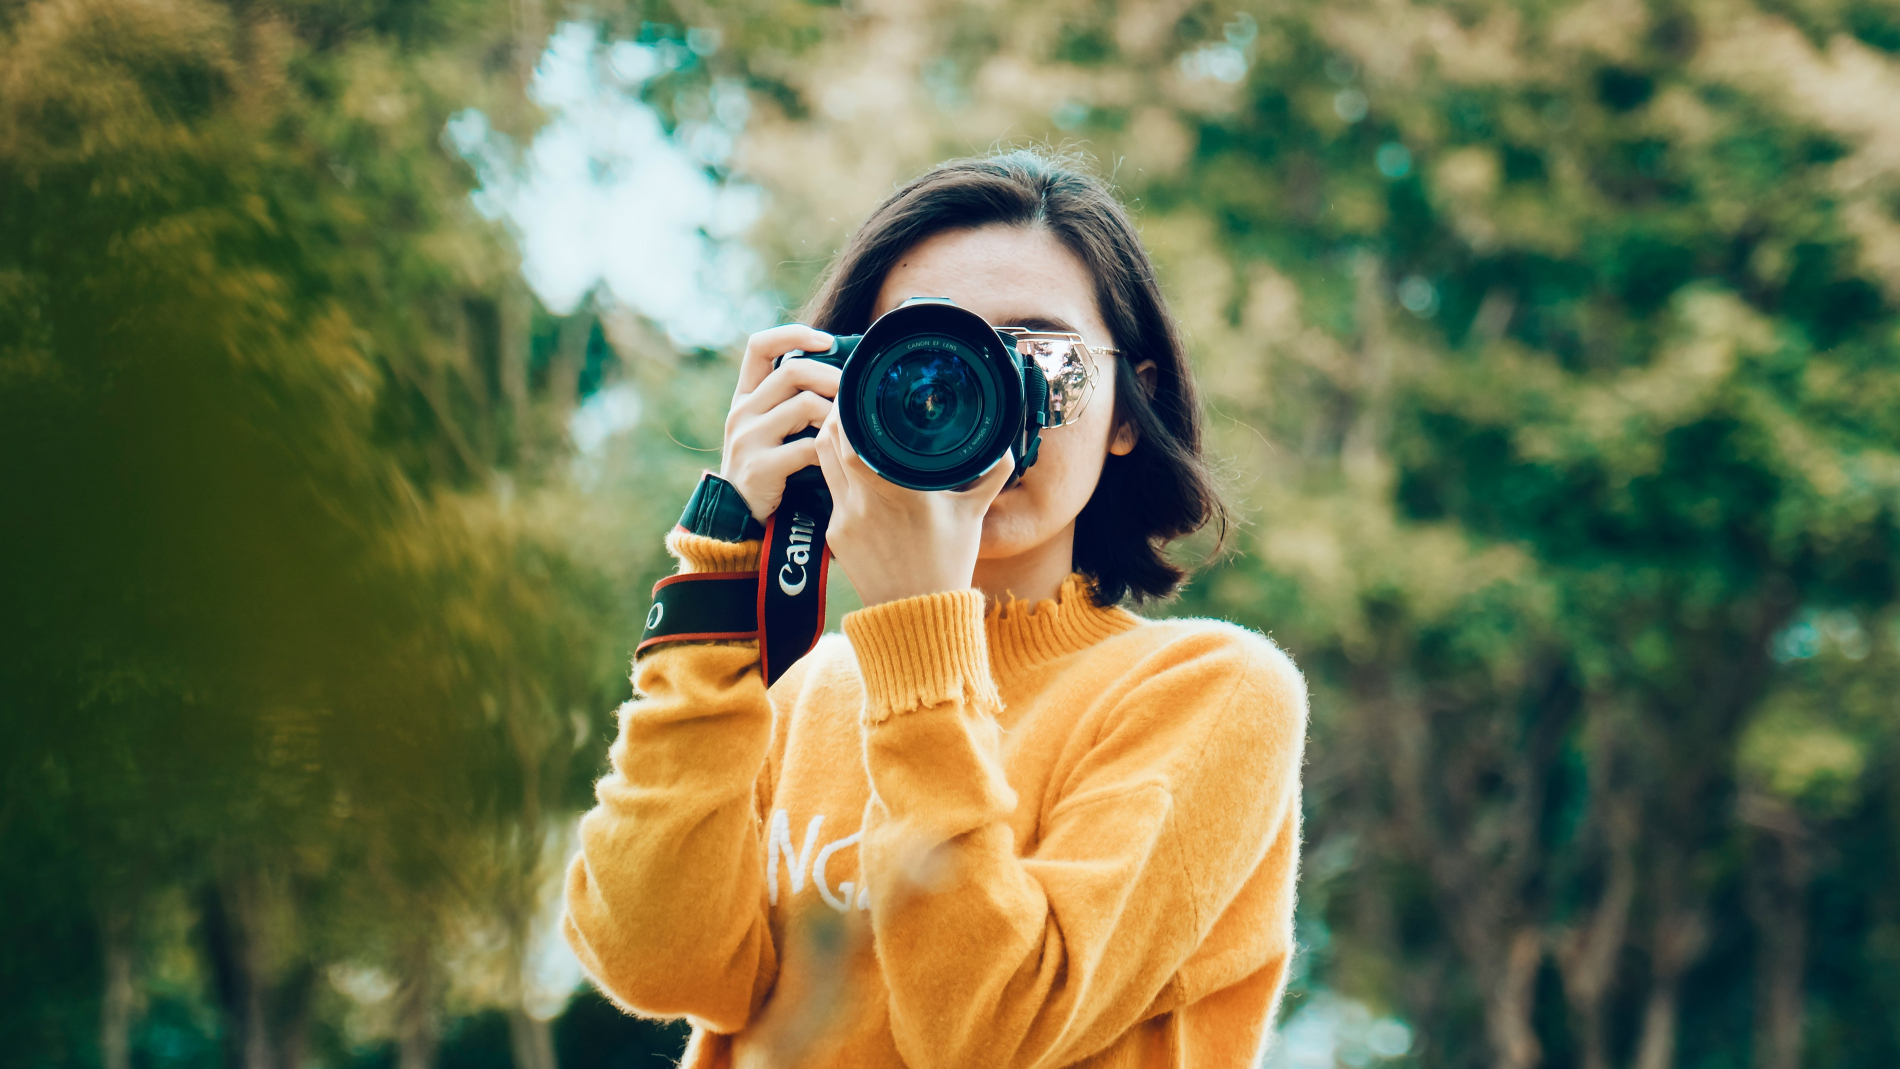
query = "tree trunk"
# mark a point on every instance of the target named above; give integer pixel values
(1362, 446)
(532, 1039)
(1481, 853)
(1507, 1014)
(267, 1009)
(1657, 1048)
(531, 34)
(1586, 958)
(1681, 936)
(570, 356)
(418, 1033)
(517, 330)
(230, 938)
(1587, 955)
(1477, 889)
(115, 1007)
(291, 1007)
(1777, 895)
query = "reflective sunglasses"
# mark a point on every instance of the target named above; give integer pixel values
(1067, 362)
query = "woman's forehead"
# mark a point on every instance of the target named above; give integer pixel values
(1011, 276)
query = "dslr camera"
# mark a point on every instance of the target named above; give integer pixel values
(932, 395)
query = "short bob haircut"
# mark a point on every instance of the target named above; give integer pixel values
(1162, 490)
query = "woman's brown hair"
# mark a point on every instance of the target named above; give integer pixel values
(1161, 490)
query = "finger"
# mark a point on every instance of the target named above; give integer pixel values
(790, 379)
(991, 482)
(768, 345)
(782, 462)
(801, 410)
(830, 438)
(854, 464)
(762, 483)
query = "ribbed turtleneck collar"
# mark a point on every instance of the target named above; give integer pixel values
(1022, 635)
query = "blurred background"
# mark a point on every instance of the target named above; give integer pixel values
(356, 354)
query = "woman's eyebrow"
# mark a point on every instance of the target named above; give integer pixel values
(1038, 323)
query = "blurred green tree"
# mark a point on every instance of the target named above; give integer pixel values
(303, 631)
(1599, 406)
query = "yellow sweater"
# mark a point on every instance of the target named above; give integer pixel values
(1040, 838)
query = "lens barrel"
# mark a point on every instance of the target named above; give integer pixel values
(932, 396)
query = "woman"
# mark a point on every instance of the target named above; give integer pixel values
(1000, 821)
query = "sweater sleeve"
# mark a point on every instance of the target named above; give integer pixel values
(666, 900)
(1044, 959)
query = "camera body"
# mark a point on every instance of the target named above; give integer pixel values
(932, 395)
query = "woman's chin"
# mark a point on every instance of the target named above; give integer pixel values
(1009, 529)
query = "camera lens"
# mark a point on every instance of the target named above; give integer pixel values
(931, 395)
(929, 401)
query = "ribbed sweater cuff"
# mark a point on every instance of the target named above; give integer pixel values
(922, 651)
(697, 553)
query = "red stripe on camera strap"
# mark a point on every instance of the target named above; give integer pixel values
(702, 607)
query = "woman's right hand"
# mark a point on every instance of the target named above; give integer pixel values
(770, 406)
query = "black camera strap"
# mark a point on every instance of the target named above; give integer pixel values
(782, 605)
(702, 607)
(792, 574)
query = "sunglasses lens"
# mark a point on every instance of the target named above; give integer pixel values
(1070, 368)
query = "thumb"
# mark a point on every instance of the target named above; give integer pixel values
(991, 482)
(829, 460)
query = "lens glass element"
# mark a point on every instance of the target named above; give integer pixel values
(929, 401)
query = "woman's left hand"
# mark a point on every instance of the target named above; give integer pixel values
(898, 543)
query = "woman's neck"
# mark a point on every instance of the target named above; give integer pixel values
(1032, 575)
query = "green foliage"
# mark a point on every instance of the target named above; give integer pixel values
(307, 631)
(1610, 314)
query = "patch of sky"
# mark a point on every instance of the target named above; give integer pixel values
(1328, 1029)
(1394, 160)
(943, 79)
(596, 421)
(550, 973)
(1225, 60)
(1814, 632)
(1241, 31)
(1331, 858)
(549, 976)
(1418, 296)
(606, 201)
(1069, 114)
(1350, 104)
